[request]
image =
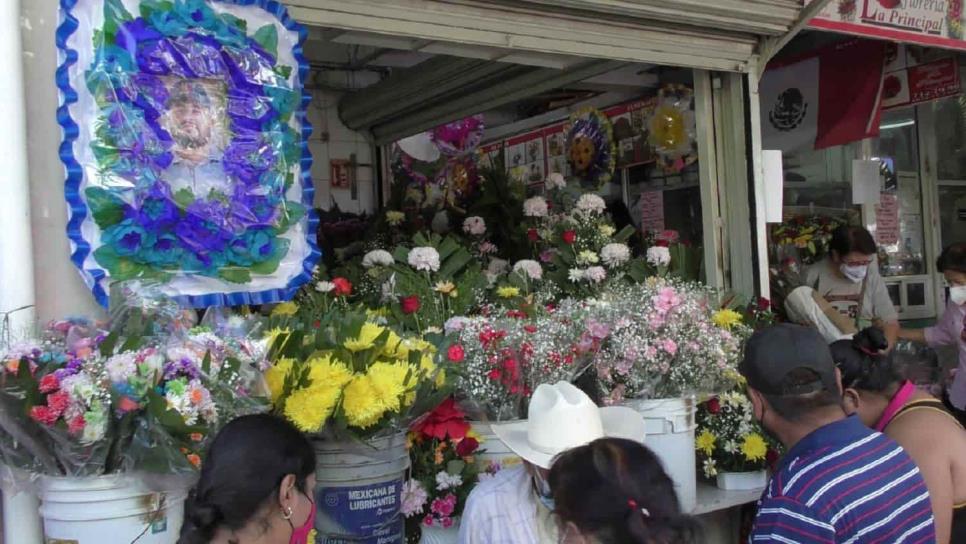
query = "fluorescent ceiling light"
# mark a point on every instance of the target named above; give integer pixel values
(900, 124)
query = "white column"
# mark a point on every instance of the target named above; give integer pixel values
(16, 249)
(21, 521)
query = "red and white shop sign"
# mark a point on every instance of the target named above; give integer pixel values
(922, 83)
(933, 23)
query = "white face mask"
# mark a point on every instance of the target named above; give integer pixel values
(855, 274)
(958, 294)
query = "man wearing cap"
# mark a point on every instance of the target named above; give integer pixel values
(839, 482)
(515, 506)
(190, 119)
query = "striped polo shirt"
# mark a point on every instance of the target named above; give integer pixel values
(845, 484)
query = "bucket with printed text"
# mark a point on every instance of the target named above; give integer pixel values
(359, 490)
(116, 508)
(495, 454)
(670, 428)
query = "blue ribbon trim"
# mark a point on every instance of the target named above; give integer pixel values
(77, 208)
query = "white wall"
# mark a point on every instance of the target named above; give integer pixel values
(333, 140)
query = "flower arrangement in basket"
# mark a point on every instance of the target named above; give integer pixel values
(809, 235)
(346, 376)
(506, 358)
(93, 405)
(729, 439)
(443, 472)
(666, 338)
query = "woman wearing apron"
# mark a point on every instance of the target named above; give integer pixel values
(916, 420)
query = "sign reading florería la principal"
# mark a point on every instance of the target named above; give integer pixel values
(936, 23)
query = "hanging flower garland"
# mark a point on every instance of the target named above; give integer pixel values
(672, 129)
(591, 149)
(195, 171)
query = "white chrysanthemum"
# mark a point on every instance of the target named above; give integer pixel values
(531, 269)
(591, 203)
(587, 257)
(615, 255)
(121, 367)
(474, 226)
(555, 181)
(445, 480)
(425, 259)
(535, 207)
(497, 266)
(595, 274)
(606, 230)
(324, 286)
(576, 275)
(377, 257)
(659, 256)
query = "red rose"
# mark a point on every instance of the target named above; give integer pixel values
(533, 235)
(455, 353)
(467, 446)
(410, 305)
(569, 237)
(445, 421)
(714, 405)
(343, 287)
(764, 304)
(49, 384)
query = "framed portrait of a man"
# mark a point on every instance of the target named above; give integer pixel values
(185, 148)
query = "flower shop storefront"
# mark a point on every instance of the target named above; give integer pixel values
(546, 185)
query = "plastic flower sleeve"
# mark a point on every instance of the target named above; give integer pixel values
(141, 309)
(185, 148)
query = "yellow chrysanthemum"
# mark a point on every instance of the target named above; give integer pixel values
(366, 339)
(726, 318)
(309, 409)
(446, 288)
(403, 348)
(361, 404)
(286, 308)
(607, 230)
(389, 380)
(754, 447)
(273, 335)
(507, 292)
(324, 371)
(275, 377)
(705, 442)
(393, 343)
(428, 367)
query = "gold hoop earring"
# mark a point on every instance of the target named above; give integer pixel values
(287, 513)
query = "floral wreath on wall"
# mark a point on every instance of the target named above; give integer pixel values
(591, 149)
(185, 146)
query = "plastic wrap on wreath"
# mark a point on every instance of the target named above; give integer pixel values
(672, 129)
(185, 147)
(143, 309)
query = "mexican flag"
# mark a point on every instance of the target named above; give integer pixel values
(825, 98)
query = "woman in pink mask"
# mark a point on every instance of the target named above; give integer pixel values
(256, 486)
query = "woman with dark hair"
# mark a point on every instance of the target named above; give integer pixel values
(614, 491)
(848, 278)
(256, 486)
(950, 330)
(933, 438)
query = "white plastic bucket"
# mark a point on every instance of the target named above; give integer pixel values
(109, 508)
(742, 481)
(359, 491)
(670, 435)
(496, 455)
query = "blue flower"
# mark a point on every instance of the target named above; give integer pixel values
(127, 238)
(165, 252)
(254, 246)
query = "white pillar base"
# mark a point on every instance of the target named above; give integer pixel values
(21, 519)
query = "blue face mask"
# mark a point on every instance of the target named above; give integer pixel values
(543, 491)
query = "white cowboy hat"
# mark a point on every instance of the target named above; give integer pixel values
(562, 417)
(420, 147)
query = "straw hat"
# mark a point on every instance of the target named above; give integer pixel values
(562, 417)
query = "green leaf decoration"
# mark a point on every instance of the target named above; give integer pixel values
(184, 197)
(283, 71)
(150, 7)
(121, 268)
(235, 275)
(293, 213)
(267, 37)
(106, 208)
(271, 265)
